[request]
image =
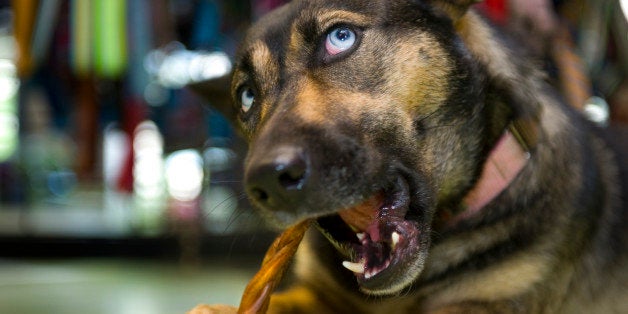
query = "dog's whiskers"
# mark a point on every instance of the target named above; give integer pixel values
(237, 196)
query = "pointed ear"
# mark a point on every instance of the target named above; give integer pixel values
(455, 9)
(217, 92)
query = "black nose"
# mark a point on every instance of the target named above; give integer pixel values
(276, 179)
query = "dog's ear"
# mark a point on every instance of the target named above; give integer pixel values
(217, 93)
(453, 8)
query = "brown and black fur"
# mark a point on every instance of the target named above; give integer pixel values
(424, 96)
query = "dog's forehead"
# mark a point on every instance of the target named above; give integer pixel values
(281, 19)
(275, 29)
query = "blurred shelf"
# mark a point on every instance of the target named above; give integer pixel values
(166, 247)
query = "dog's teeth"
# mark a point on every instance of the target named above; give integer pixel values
(369, 274)
(354, 267)
(395, 239)
(360, 236)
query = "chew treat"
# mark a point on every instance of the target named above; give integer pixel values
(256, 296)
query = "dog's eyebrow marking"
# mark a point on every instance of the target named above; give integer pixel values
(263, 63)
(266, 68)
(326, 19)
(321, 21)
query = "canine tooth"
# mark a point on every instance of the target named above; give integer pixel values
(354, 267)
(395, 239)
(360, 236)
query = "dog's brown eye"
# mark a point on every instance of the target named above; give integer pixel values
(339, 40)
(247, 98)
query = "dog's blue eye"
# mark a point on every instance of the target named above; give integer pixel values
(247, 98)
(339, 40)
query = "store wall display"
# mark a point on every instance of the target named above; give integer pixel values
(91, 80)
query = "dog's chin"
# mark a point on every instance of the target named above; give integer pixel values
(384, 239)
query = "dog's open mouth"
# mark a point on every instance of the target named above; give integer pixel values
(375, 236)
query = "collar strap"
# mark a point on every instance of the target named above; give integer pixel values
(505, 161)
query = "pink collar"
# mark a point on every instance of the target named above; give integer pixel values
(502, 166)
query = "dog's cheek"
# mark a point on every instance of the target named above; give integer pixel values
(446, 131)
(420, 74)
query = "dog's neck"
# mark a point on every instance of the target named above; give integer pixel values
(505, 161)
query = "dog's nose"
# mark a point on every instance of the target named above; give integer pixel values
(276, 180)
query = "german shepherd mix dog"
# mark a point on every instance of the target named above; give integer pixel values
(444, 173)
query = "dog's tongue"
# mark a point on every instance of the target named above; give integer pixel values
(381, 234)
(363, 215)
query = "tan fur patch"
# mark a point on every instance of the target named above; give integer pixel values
(312, 105)
(509, 279)
(478, 37)
(264, 62)
(316, 105)
(295, 46)
(267, 70)
(429, 67)
(553, 121)
(457, 249)
(327, 19)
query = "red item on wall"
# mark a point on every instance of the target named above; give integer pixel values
(134, 113)
(496, 10)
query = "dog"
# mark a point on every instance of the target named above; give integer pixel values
(444, 172)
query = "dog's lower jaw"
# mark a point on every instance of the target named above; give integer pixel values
(386, 253)
(402, 277)
(394, 263)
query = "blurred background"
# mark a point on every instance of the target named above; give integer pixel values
(120, 187)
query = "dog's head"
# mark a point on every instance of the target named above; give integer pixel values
(367, 115)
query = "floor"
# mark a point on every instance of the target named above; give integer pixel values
(118, 286)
